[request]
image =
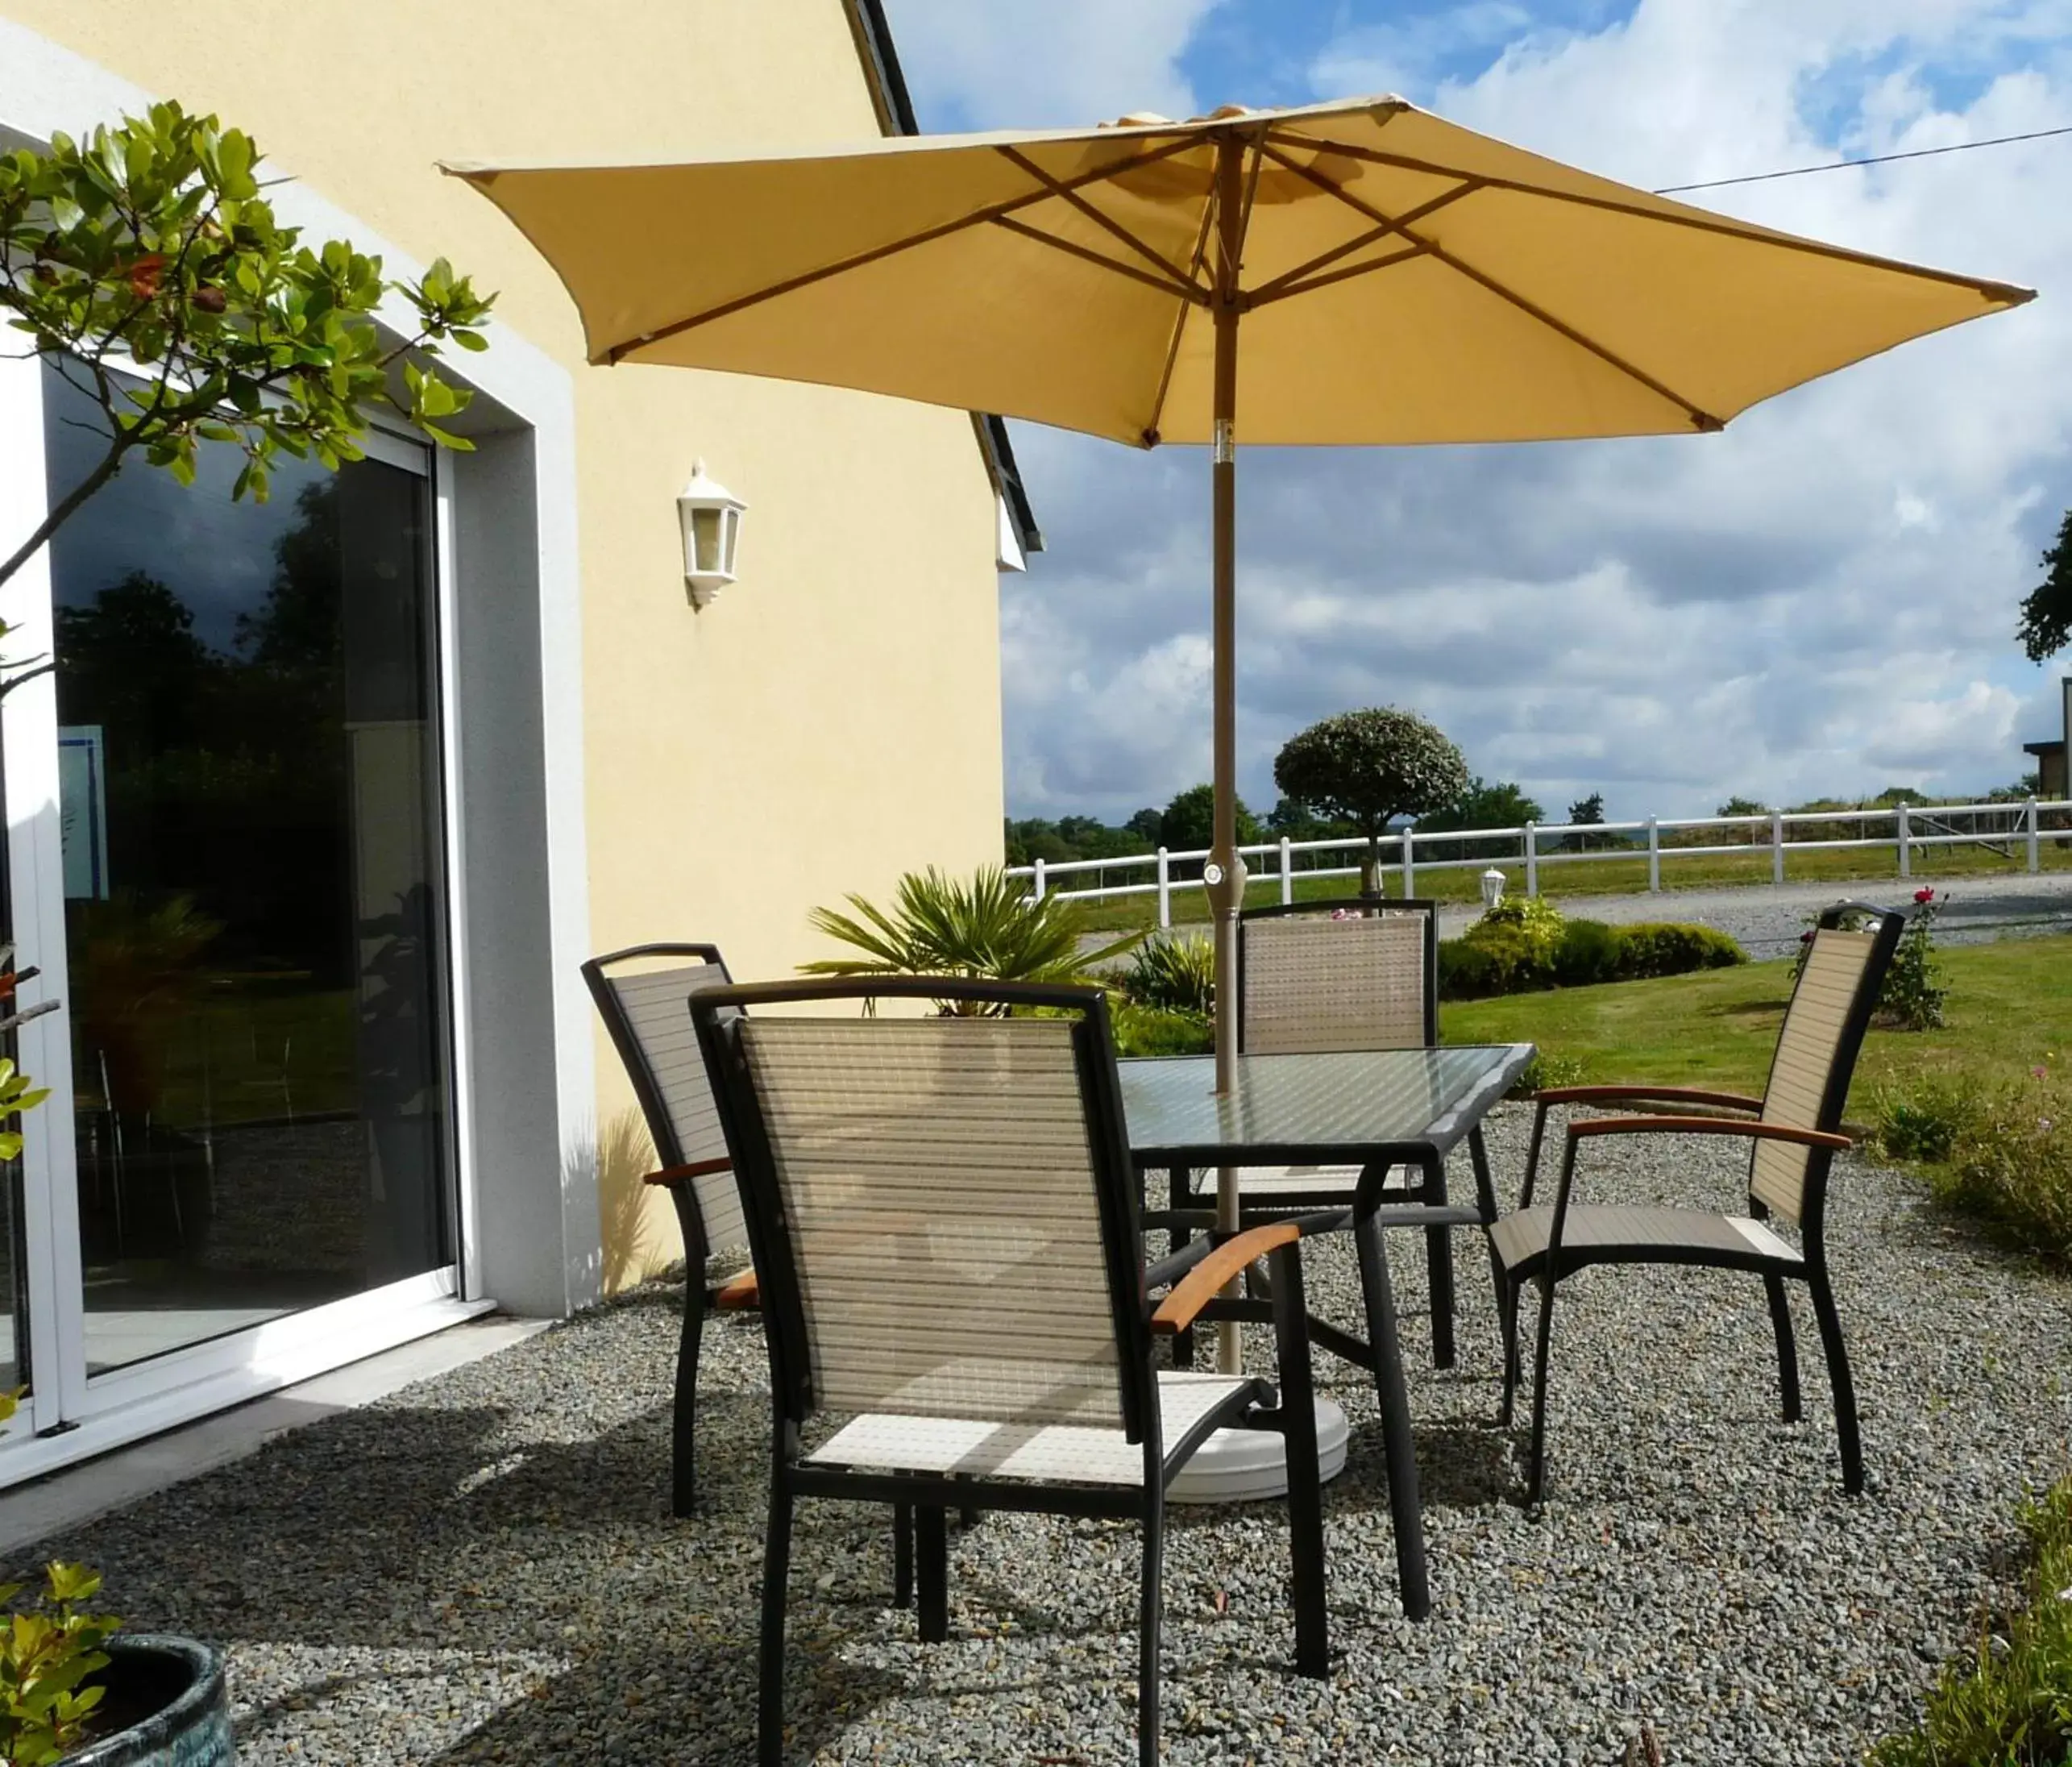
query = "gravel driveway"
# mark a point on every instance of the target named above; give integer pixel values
(480, 1569)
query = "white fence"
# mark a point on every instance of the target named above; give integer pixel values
(2015, 830)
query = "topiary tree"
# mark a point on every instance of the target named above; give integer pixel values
(1369, 767)
(149, 272)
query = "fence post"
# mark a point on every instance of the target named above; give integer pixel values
(1165, 893)
(1532, 860)
(1409, 866)
(1037, 880)
(1287, 882)
(2031, 832)
(1654, 856)
(1776, 846)
(1906, 848)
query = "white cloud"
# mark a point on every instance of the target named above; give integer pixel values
(978, 65)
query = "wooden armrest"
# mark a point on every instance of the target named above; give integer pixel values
(1707, 1125)
(676, 1174)
(737, 1294)
(1675, 1094)
(1206, 1281)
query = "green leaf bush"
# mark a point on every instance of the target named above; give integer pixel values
(1172, 975)
(1524, 943)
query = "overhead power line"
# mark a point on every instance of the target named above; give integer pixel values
(1875, 159)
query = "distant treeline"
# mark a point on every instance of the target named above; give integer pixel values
(1183, 825)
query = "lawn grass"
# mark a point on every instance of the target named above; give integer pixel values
(2010, 1006)
(1682, 869)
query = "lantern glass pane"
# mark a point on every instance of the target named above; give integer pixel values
(705, 535)
(732, 531)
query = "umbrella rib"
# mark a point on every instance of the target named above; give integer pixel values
(1293, 282)
(1165, 284)
(1179, 328)
(991, 211)
(1108, 223)
(1324, 280)
(1699, 221)
(1700, 417)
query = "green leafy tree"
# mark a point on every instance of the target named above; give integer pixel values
(1738, 805)
(1483, 803)
(1368, 767)
(1148, 824)
(2046, 622)
(1586, 813)
(149, 273)
(1188, 825)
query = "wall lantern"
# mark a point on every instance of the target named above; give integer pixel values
(1492, 887)
(711, 518)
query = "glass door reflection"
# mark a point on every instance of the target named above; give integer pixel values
(251, 798)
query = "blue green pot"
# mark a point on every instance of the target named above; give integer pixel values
(174, 1687)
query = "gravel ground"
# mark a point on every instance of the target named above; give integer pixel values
(480, 1569)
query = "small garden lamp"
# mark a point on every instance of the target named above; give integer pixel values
(1492, 887)
(711, 515)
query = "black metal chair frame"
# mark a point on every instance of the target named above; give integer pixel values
(1822, 1143)
(1194, 1276)
(1422, 1203)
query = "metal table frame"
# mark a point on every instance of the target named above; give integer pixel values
(1177, 1124)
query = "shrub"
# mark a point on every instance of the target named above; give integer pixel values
(2011, 1166)
(1151, 1030)
(1545, 1071)
(1925, 1120)
(1489, 960)
(1912, 997)
(1537, 920)
(1589, 951)
(2007, 1707)
(1675, 948)
(1174, 975)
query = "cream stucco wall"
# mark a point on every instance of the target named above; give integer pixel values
(833, 718)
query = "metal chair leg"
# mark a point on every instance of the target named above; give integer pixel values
(1150, 1599)
(1176, 1239)
(1844, 1388)
(1507, 1315)
(1787, 1348)
(1399, 1446)
(903, 1554)
(932, 1571)
(1306, 1494)
(776, 1567)
(1536, 1469)
(683, 1423)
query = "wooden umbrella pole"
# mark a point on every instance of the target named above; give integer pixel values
(1226, 874)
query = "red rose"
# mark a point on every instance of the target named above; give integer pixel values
(1924, 896)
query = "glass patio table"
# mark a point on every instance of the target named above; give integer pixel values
(1374, 1109)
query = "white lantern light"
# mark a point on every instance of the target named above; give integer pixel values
(710, 515)
(1492, 887)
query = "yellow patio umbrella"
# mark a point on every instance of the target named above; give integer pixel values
(1374, 274)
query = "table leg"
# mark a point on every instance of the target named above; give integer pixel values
(1399, 1447)
(1438, 1266)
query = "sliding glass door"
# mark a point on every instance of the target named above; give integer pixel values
(248, 772)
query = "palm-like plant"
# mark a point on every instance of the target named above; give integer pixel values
(985, 929)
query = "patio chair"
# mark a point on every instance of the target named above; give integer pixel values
(944, 1217)
(642, 1006)
(1794, 1130)
(1356, 972)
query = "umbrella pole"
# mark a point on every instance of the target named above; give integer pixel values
(1226, 872)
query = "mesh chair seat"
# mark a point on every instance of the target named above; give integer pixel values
(1604, 1230)
(1072, 1454)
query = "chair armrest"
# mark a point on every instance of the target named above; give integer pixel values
(1707, 1125)
(1668, 1094)
(1206, 1281)
(738, 1294)
(676, 1174)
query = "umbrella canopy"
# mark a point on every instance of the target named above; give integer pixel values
(1395, 278)
(1403, 279)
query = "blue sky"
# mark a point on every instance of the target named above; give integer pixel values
(1821, 600)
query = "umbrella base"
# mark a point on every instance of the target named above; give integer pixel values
(1244, 1465)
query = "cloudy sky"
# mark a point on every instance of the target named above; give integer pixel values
(1821, 600)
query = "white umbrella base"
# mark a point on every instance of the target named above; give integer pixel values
(1243, 1466)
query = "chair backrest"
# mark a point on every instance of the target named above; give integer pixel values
(1320, 977)
(941, 1209)
(640, 994)
(1808, 1086)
